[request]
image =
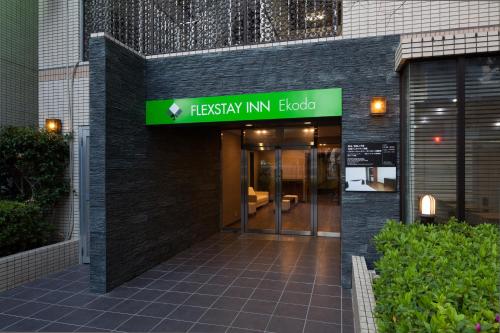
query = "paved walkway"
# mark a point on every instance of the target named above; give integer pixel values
(229, 283)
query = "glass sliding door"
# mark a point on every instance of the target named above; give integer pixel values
(261, 190)
(295, 191)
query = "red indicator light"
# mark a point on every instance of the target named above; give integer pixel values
(437, 139)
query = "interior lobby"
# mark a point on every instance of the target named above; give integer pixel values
(282, 180)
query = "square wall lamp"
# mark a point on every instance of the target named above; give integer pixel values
(53, 125)
(378, 106)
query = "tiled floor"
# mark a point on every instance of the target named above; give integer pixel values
(229, 283)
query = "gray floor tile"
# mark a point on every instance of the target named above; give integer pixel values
(122, 292)
(130, 306)
(27, 325)
(169, 325)
(328, 315)
(291, 310)
(295, 298)
(53, 312)
(198, 278)
(189, 287)
(91, 329)
(299, 287)
(266, 295)
(222, 280)
(229, 303)
(138, 283)
(246, 282)
(173, 297)
(78, 300)
(7, 320)
(108, 320)
(55, 296)
(218, 317)
(285, 325)
(187, 313)
(160, 310)
(103, 303)
(328, 290)
(326, 301)
(238, 292)
(27, 309)
(7, 304)
(30, 294)
(146, 295)
(80, 316)
(272, 284)
(258, 306)
(139, 324)
(174, 276)
(59, 327)
(212, 289)
(206, 328)
(200, 300)
(320, 327)
(161, 284)
(251, 321)
(75, 287)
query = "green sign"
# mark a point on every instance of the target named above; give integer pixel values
(247, 107)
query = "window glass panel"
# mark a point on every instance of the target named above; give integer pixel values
(431, 115)
(482, 137)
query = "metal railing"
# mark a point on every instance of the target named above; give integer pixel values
(168, 26)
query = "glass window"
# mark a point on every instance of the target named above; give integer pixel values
(482, 140)
(431, 108)
(431, 132)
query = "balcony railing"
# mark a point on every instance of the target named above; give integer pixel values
(168, 26)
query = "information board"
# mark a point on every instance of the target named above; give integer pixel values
(371, 167)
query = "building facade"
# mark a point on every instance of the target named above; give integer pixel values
(154, 189)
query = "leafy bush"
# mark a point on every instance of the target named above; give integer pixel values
(438, 278)
(32, 166)
(22, 227)
(33, 178)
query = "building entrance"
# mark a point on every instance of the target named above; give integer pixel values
(289, 180)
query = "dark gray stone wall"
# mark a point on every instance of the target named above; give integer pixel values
(363, 68)
(97, 165)
(155, 191)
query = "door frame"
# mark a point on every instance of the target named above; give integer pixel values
(83, 154)
(278, 170)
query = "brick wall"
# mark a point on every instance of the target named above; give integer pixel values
(361, 67)
(154, 191)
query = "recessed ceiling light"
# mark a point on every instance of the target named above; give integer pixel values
(307, 123)
(248, 125)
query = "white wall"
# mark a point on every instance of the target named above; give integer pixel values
(385, 172)
(364, 18)
(355, 173)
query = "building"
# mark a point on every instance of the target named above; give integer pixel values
(305, 156)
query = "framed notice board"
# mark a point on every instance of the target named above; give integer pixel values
(371, 167)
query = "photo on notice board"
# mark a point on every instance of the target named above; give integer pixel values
(368, 179)
(371, 167)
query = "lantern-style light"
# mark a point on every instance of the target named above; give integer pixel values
(427, 206)
(378, 106)
(53, 125)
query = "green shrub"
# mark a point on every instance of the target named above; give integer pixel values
(22, 227)
(33, 164)
(437, 278)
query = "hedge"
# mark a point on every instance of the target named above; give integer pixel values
(22, 227)
(437, 278)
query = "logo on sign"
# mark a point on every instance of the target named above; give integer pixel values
(175, 111)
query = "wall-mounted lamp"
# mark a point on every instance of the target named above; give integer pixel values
(378, 106)
(427, 208)
(53, 125)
